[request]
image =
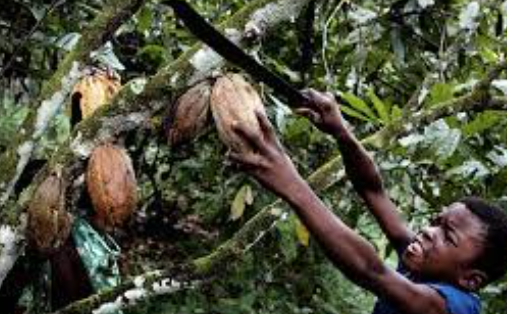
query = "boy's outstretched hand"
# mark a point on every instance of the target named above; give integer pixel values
(323, 110)
(266, 159)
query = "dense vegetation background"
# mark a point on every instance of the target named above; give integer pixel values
(420, 80)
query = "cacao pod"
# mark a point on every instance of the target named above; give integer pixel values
(49, 223)
(111, 185)
(94, 90)
(235, 101)
(188, 117)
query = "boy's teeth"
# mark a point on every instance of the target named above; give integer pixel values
(415, 248)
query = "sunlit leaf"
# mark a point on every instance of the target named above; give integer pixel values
(302, 233)
(243, 198)
(440, 92)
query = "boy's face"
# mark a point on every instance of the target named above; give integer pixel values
(443, 250)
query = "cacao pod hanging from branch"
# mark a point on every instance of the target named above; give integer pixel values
(235, 101)
(189, 116)
(94, 90)
(111, 185)
(49, 223)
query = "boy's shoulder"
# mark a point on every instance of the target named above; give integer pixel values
(458, 301)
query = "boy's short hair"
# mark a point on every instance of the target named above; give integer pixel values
(493, 260)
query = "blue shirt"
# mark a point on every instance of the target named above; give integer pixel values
(457, 301)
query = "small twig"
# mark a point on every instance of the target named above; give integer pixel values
(325, 41)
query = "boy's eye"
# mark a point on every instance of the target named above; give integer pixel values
(448, 238)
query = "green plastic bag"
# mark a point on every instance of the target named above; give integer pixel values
(99, 255)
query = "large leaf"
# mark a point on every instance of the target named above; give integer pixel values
(358, 105)
(381, 107)
(482, 122)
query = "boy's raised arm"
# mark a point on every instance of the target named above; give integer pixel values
(324, 112)
(354, 256)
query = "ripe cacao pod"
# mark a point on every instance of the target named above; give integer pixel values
(94, 90)
(189, 115)
(111, 185)
(49, 223)
(235, 101)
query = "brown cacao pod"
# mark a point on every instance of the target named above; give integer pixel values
(49, 223)
(93, 91)
(189, 115)
(235, 101)
(111, 185)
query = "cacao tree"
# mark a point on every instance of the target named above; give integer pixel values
(421, 82)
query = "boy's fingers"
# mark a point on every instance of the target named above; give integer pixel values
(317, 100)
(308, 113)
(265, 125)
(243, 159)
(251, 138)
(247, 161)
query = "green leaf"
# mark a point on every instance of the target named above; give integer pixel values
(243, 198)
(359, 105)
(380, 107)
(396, 112)
(482, 122)
(441, 92)
(489, 55)
(353, 113)
(144, 19)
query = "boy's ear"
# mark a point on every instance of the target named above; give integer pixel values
(473, 279)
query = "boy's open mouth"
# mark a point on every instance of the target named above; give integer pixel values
(415, 249)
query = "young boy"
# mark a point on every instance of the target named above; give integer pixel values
(441, 267)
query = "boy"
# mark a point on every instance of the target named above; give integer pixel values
(441, 267)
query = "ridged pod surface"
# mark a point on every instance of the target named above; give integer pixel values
(111, 185)
(49, 223)
(235, 101)
(95, 90)
(189, 115)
